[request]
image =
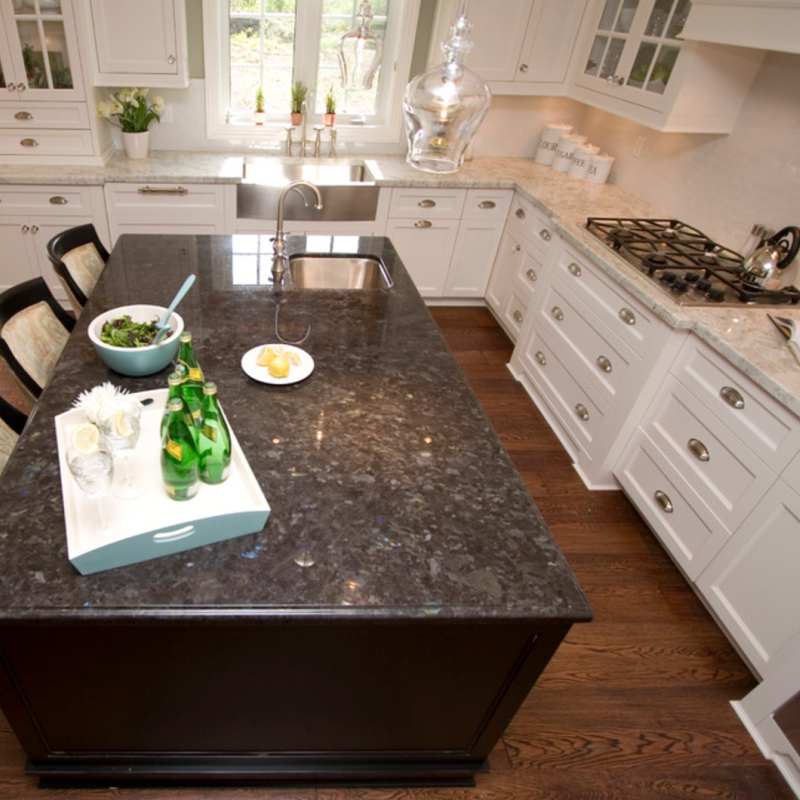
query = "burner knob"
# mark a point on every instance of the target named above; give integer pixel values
(679, 287)
(703, 285)
(716, 295)
(691, 277)
(668, 277)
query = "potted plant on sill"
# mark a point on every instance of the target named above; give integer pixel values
(133, 113)
(260, 114)
(330, 109)
(299, 94)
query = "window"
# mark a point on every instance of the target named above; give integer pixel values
(273, 43)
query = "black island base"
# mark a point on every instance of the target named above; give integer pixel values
(434, 598)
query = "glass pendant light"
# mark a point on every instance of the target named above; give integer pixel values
(445, 106)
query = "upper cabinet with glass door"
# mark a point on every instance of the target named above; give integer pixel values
(636, 64)
(40, 61)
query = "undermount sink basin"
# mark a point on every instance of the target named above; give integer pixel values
(339, 272)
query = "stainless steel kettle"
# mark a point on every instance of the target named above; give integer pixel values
(762, 268)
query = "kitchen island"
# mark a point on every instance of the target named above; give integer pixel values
(436, 594)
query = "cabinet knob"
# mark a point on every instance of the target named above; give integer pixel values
(171, 59)
(517, 316)
(662, 498)
(523, 68)
(698, 450)
(575, 270)
(487, 204)
(34, 229)
(423, 223)
(557, 313)
(732, 397)
(604, 363)
(23, 115)
(29, 142)
(520, 213)
(627, 316)
(517, 248)
(531, 275)
(540, 357)
(426, 203)
(25, 228)
(545, 234)
(582, 412)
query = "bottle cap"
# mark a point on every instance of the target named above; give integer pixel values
(186, 336)
(175, 404)
(181, 370)
(176, 378)
(209, 387)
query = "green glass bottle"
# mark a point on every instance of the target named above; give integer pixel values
(180, 464)
(213, 439)
(175, 385)
(193, 383)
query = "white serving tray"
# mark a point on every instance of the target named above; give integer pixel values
(152, 525)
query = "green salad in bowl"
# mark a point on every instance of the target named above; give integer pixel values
(125, 332)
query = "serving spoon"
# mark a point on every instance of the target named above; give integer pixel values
(162, 324)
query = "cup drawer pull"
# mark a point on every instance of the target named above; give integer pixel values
(58, 200)
(162, 190)
(423, 223)
(487, 204)
(540, 357)
(557, 313)
(733, 398)
(662, 498)
(426, 203)
(627, 316)
(582, 412)
(604, 363)
(23, 116)
(698, 450)
(29, 142)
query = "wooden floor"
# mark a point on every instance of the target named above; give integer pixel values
(634, 705)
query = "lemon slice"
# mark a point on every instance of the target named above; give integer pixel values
(266, 356)
(279, 366)
(122, 425)
(86, 438)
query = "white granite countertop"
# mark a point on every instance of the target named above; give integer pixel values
(742, 334)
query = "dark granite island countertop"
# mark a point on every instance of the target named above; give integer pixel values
(382, 463)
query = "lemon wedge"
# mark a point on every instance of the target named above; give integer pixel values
(279, 366)
(85, 438)
(122, 425)
(266, 356)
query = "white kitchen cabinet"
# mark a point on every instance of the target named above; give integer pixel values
(506, 265)
(475, 249)
(140, 43)
(752, 585)
(426, 248)
(17, 264)
(634, 62)
(40, 53)
(523, 48)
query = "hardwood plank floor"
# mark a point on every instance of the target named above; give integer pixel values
(634, 705)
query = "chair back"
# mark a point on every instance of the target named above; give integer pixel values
(33, 330)
(12, 421)
(78, 257)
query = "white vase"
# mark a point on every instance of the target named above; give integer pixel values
(136, 144)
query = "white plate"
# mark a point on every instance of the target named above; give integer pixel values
(296, 374)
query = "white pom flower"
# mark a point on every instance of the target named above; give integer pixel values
(158, 104)
(141, 92)
(99, 402)
(104, 109)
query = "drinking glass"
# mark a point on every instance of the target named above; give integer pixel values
(120, 428)
(93, 473)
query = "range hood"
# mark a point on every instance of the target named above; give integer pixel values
(762, 24)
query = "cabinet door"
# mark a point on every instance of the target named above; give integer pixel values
(135, 37)
(8, 87)
(43, 48)
(473, 257)
(498, 37)
(753, 585)
(18, 263)
(551, 36)
(426, 248)
(506, 266)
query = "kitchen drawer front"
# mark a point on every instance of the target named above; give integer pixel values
(769, 429)
(582, 418)
(616, 309)
(41, 142)
(487, 205)
(427, 203)
(606, 369)
(792, 474)
(514, 313)
(531, 225)
(54, 201)
(668, 506)
(728, 476)
(44, 115)
(529, 274)
(198, 204)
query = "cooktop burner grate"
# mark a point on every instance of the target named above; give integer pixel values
(694, 269)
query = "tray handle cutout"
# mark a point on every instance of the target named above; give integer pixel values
(173, 536)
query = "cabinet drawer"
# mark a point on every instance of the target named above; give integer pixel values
(427, 203)
(487, 205)
(581, 417)
(604, 368)
(59, 201)
(199, 204)
(514, 313)
(36, 142)
(728, 476)
(532, 225)
(661, 496)
(528, 274)
(770, 430)
(616, 309)
(44, 115)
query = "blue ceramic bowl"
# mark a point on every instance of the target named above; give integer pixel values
(137, 361)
